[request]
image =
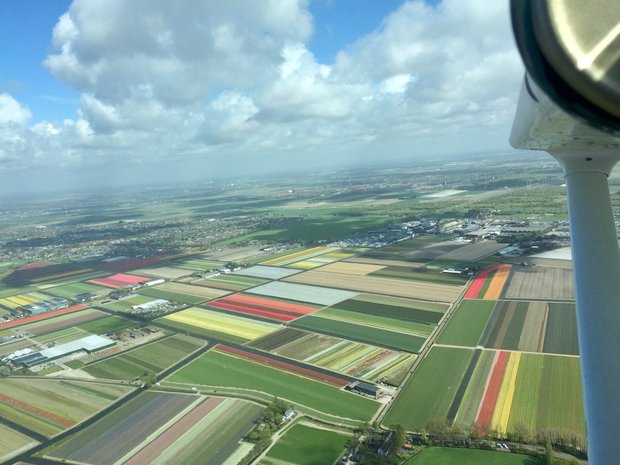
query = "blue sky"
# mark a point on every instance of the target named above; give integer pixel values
(213, 87)
(26, 36)
(25, 41)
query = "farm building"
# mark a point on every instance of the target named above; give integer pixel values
(365, 388)
(85, 297)
(88, 344)
(45, 306)
(154, 282)
(288, 415)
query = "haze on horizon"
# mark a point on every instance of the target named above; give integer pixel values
(108, 93)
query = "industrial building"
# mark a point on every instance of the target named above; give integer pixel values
(29, 358)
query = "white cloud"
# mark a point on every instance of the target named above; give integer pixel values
(11, 111)
(162, 80)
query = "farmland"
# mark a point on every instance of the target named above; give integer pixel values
(427, 274)
(489, 284)
(298, 256)
(420, 329)
(230, 282)
(320, 260)
(451, 456)
(347, 357)
(136, 419)
(430, 391)
(534, 327)
(108, 324)
(41, 316)
(62, 321)
(357, 269)
(69, 291)
(501, 391)
(412, 316)
(118, 280)
(12, 442)
(467, 324)
(472, 252)
(221, 370)
(15, 301)
(49, 406)
(125, 304)
(297, 369)
(377, 336)
(164, 272)
(305, 445)
(196, 263)
(258, 306)
(267, 272)
(149, 358)
(183, 293)
(389, 286)
(545, 283)
(163, 429)
(218, 325)
(417, 249)
(303, 293)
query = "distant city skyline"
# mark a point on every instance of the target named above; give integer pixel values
(105, 93)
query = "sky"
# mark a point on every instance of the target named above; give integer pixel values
(106, 93)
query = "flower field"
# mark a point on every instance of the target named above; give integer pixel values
(258, 306)
(220, 326)
(118, 280)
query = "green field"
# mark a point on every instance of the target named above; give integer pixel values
(69, 291)
(453, 456)
(218, 369)
(232, 282)
(561, 330)
(399, 309)
(467, 324)
(379, 321)
(149, 358)
(375, 336)
(109, 324)
(421, 274)
(62, 336)
(548, 396)
(304, 445)
(429, 392)
(195, 264)
(125, 305)
(159, 293)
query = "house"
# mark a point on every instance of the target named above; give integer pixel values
(288, 415)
